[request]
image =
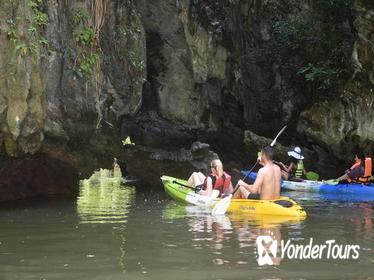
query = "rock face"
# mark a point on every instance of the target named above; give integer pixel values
(150, 164)
(343, 124)
(69, 71)
(22, 84)
(65, 90)
(183, 60)
(44, 95)
(41, 176)
(255, 143)
(77, 76)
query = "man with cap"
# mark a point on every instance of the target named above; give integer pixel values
(296, 168)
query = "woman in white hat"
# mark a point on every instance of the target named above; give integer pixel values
(296, 168)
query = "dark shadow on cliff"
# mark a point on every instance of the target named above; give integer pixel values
(41, 176)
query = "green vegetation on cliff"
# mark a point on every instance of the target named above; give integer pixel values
(31, 40)
(84, 35)
(316, 43)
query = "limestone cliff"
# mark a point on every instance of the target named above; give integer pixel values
(344, 123)
(77, 76)
(69, 71)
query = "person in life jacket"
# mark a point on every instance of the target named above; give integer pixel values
(360, 171)
(295, 170)
(217, 180)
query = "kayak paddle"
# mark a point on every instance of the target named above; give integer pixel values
(221, 207)
(183, 185)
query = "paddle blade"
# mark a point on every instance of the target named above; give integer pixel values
(276, 137)
(312, 176)
(221, 207)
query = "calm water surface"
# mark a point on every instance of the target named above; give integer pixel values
(121, 232)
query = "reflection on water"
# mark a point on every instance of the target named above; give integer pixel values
(119, 232)
(105, 201)
(215, 231)
(364, 227)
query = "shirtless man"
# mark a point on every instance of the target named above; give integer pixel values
(267, 184)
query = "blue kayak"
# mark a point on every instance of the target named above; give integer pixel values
(320, 186)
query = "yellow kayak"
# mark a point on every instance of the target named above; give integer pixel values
(283, 206)
(174, 211)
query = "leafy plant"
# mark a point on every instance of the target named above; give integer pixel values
(135, 61)
(11, 31)
(40, 18)
(31, 42)
(87, 53)
(33, 48)
(79, 17)
(34, 4)
(84, 36)
(87, 64)
(23, 49)
(321, 73)
(44, 42)
(32, 30)
(315, 42)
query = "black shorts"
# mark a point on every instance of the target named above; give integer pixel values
(253, 196)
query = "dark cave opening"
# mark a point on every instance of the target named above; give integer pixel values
(155, 67)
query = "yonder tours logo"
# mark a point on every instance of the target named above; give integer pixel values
(268, 247)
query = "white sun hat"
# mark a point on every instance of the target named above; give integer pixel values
(296, 153)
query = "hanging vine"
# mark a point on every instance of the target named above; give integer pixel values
(88, 57)
(98, 8)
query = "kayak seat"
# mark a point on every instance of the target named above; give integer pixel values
(284, 203)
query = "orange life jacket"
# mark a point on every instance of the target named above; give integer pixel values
(220, 183)
(367, 173)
